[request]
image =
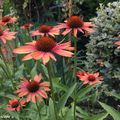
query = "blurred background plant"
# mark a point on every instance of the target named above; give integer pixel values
(54, 10)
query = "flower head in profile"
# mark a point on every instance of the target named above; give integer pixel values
(89, 78)
(6, 35)
(118, 43)
(26, 26)
(44, 48)
(35, 90)
(75, 24)
(15, 104)
(45, 30)
(7, 20)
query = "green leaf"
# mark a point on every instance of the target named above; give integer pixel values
(114, 94)
(101, 116)
(19, 72)
(81, 112)
(51, 110)
(65, 97)
(14, 115)
(34, 71)
(59, 85)
(113, 112)
(69, 115)
(44, 70)
(83, 92)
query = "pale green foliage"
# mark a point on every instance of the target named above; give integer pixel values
(102, 53)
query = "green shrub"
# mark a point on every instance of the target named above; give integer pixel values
(102, 53)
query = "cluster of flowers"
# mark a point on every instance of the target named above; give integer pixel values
(35, 90)
(43, 49)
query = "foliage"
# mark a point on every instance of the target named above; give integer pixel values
(102, 54)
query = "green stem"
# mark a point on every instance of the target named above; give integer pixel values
(75, 71)
(38, 110)
(52, 88)
(8, 71)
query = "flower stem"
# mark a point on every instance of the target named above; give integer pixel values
(38, 110)
(51, 84)
(8, 71)
(75, 71)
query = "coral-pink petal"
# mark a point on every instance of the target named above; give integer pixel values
(33, 98)
(88, 24)
(46, 84)
(23, 94)
(75, 32)
(52, 56)
(3, 40)
(35, 33)
(64, 53)
(45, 58)
(90, 30)
(38, 98)
(24, 49)
(28, 98)
(31, 43)
(80, 30)
(37, 55)
(67, 31)
(27, 57)
(117, 43)
(37, 78)
(20, 90)
(61, 26)
(42, 94)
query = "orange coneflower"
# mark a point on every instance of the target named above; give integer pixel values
(7, 20)
(43, 49)
(26, 26)
(34, 89)
(6, 35)
(75, 24)
(89, 78)
(15, 104)
(45, 30)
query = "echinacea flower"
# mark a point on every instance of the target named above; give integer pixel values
(81, 74)
(44, 48)
(35, 90)
(26, 26)
(118, 43)
(15, 104)
(45, 30)
(75, 24)
(90, 78)
(7, 20)
(6, 35)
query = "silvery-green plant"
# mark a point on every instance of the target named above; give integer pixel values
(102, 53)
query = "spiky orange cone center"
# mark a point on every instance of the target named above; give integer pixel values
(15, 104)
(45, 44)
(33, 86)
(91, 78)
(26, 25)
(45, 28)
(74, 22)
(6, 19)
